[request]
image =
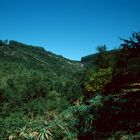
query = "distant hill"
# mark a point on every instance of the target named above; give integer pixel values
(37, 58)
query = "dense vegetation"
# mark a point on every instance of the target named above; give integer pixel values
(44, 96)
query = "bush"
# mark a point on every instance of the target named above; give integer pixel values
(98, 80)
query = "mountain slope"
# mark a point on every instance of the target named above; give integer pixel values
(34, 83)
(36, 57)
(45, 96)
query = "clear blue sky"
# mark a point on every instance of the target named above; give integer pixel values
(72, 28)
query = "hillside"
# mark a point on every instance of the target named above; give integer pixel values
(113, 91)
(33, 82)
(36, 57)
(44, 96)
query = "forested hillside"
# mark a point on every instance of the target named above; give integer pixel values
(35, 85)
(44, 96)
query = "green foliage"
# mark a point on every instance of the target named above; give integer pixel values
(9, 124)
(98, 80)
(120, 97)
(44, 96)
(102, 49)
(33, 85)
(97, 101)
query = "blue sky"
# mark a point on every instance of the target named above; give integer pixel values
(72, 28)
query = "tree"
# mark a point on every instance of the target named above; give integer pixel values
(1, 43)
(131, 47)
(102, 59)
(98, 80)
(4, 42)
(102, 49)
